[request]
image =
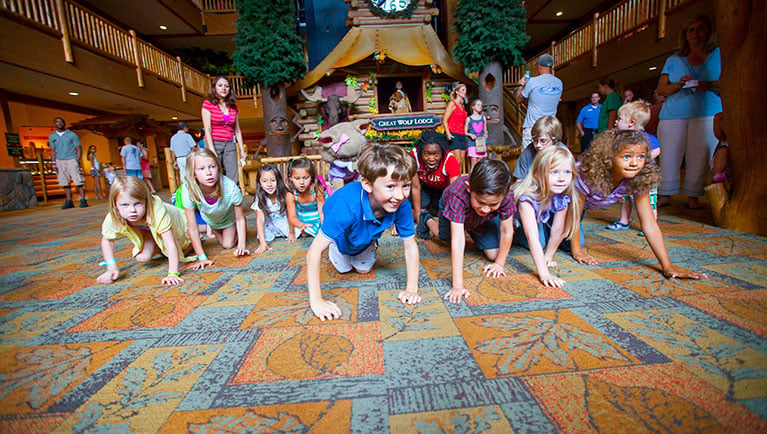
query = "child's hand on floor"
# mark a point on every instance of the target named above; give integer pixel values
(262, 248)
(241, 252)
(325, 309)
(108, 276)
(494, 270)
(171, 280)
(585, 258)
(455, 295)
(407, 297)
(549, 280)
(680, 273)
(199, 265)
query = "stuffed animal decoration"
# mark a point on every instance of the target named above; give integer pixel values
(341, 144)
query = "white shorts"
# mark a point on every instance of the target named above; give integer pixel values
(362, 262)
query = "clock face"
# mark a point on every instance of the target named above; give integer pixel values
(393, 5)
(392, 8)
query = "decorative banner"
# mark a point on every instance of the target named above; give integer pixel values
(13, 144)
(408, 122)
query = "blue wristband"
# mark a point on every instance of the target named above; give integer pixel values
(202, 257)
(108, 262)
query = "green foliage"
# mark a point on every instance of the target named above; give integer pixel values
(269, 51)
(490, 30)
(207, 60)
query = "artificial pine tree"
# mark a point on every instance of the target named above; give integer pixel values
(490, 36)
(270, 52)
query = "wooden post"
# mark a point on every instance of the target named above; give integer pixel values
(171, 168)
(39, 153)
(240, 170)
(553, 67)
(596, 41)
(68, 57)
(662, 19)
(136, 59)
(181, 78)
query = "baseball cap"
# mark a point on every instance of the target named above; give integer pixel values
(546, 60)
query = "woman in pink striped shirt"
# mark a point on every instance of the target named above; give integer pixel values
(222, 127)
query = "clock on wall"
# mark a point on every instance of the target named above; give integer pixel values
(392, 8)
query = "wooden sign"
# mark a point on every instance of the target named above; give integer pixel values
(13, 144)
(421, 121)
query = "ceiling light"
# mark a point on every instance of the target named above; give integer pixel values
(174, 117)
(559, 14)
(652, 68)
(163, 27)
(74, 93)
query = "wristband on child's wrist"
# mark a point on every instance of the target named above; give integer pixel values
(202, 257)
(108, 262)
(172, 273)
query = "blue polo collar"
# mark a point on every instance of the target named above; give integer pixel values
(367, 209)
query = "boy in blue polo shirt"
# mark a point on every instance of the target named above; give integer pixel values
(357, 215)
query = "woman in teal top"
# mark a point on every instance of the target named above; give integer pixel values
(690, 83)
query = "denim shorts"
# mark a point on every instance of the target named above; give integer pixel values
(136, 173)
(458, 142)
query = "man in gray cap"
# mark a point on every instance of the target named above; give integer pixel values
(542, 93)
(181, 144)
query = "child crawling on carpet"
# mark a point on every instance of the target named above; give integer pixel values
(357, 215)
(149, 223)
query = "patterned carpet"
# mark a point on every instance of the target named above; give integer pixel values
(236, 349)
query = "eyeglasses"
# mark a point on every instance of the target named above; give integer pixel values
(541, 141)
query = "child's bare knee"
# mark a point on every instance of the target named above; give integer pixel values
(227, 244)
(491, 254)
(143, 257)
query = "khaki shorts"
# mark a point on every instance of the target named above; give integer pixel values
(66, 169)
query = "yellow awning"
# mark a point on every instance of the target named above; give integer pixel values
(409, 45)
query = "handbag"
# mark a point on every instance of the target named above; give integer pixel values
(480, 145)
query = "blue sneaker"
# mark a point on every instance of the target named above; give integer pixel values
(422, 229)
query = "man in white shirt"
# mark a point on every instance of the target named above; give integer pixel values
(181, 144)
(542, 93)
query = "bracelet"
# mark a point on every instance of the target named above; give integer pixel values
(108, 262)
(202, 257)
(173, 273)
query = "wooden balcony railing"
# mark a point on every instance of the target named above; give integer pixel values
(73, 23)
(614, 23)
(241, 89)
(216, 6)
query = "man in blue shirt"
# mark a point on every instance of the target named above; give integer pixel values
(66, 153)
(542, 93)
(588, 121)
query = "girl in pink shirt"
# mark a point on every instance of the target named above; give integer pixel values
(222, 127)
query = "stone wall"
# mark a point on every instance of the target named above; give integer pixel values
(17, 189)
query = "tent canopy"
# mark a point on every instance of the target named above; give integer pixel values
(409, 45)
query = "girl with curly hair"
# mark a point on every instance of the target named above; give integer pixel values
(612, 167)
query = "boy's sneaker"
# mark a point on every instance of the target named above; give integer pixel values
(83, 203)
(68, 204)
(422, 229)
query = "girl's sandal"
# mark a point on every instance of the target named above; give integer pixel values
(617, 226)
